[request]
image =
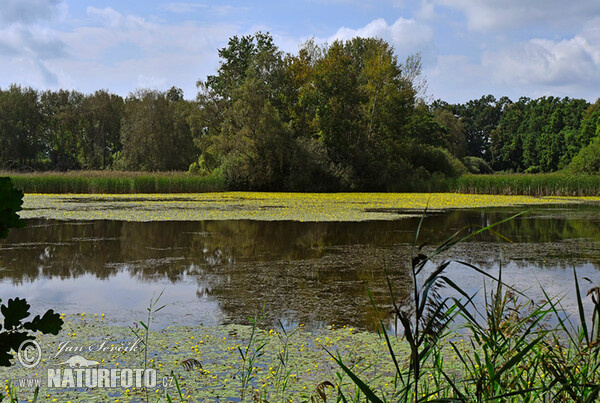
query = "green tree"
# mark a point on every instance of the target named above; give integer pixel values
(252, 54)
(155, 133)
(62, 131)
(101, 116)
(538, 135)
(479, 118)
(454, 137)
(20, 121)
(257, 144)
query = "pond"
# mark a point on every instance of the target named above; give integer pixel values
(311, 273)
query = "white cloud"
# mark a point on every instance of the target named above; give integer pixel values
(183, 8)
(406, 35)
(33, 42)
(534, 68)
(568, 62)
(483, 15)
(25, 45)
(109, 16)
(27, 11)
(166, 54)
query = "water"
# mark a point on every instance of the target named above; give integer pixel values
(314, 274)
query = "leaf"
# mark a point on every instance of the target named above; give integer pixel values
(11, 201)
(363, 386)
(321, 389)
(190, 364)
(16, 310)
(49, 323)
(11, 341)
(582, 318)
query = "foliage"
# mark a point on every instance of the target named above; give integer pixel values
(554, 184)
(587, 161)
(20, 121)
(340, 116)
(542, 134)
(15, 331)
(348, 115)
(155, 133)
(477, 165)
(118, 182)
(455, 140)
(11, 200)
(478, 118)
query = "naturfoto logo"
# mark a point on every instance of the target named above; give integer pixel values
(77, 371)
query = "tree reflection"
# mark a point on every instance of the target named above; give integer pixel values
(312, 273)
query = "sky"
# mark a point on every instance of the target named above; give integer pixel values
(469, 48)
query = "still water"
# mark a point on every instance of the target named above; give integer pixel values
(315, 274)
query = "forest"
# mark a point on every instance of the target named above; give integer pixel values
(342, 116)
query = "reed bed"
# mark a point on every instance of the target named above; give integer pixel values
(553, 184)
(115, 182)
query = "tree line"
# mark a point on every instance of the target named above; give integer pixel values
(345, 116)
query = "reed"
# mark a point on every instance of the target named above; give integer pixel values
(554, 184)
(511, 352)
(115, 182)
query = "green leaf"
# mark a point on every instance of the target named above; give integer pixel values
(363, 386)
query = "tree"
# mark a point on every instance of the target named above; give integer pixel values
(538, 135)
(155, 133)
(257, 144)
(252, 54)
(61, 132)
(479, 118)
(101, 115)
(454, 138)
(20, 121)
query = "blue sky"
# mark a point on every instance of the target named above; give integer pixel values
(469, 47)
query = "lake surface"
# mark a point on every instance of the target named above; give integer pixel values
(311, 273)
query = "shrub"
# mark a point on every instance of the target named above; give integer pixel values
(476, 165)
(588, 159)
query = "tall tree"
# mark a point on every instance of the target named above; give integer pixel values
(101, 120)
(20, 122)
(62, 131)
(155, 134)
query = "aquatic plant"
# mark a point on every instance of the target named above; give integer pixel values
(425, 316)
(263, 206)
(552, 184)
(144, 336)
(511, 354)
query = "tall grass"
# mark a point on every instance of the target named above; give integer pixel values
(115, 182)
(554, 184)
(511, 352)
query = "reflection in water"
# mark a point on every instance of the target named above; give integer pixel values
(312, 273)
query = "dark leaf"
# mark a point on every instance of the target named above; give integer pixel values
(321, 389)
(190, 364)
(16, 310)
(49, 323)
(10, 341)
